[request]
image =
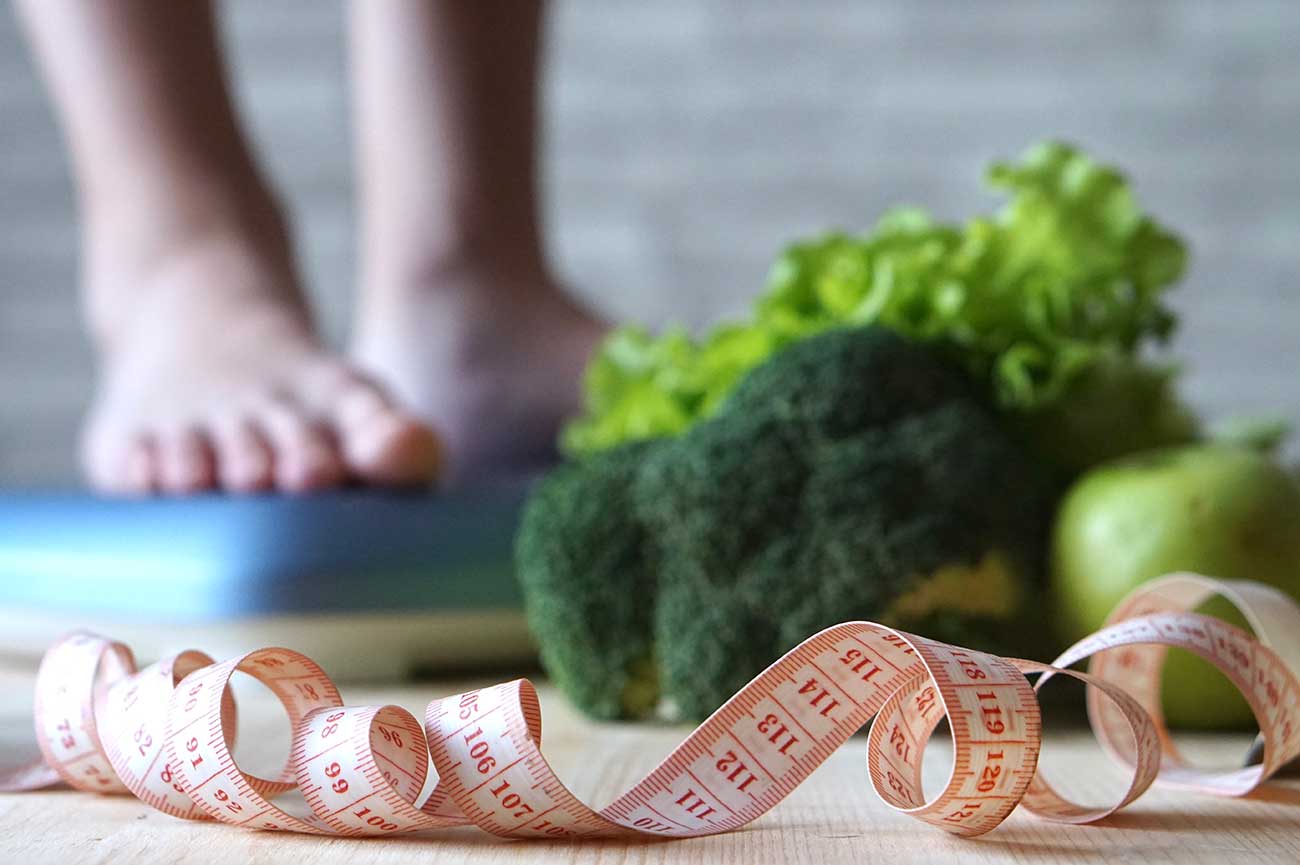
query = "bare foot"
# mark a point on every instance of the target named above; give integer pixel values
(211, 378)
(490, 356)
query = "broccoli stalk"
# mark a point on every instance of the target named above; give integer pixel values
(851, 476)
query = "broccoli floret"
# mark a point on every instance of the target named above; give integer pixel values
(589, 584)
(852, 475)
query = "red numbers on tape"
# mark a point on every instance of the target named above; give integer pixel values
(165, 733)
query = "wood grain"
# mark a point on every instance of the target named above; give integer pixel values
(835, 817)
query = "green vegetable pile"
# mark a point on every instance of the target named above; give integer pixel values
(883, 439)
(1054, 293)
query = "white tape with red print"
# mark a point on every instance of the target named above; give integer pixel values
(165, 733)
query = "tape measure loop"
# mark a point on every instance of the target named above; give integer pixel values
(995, 727)
(196, 738)
(70, 685)
(1138, 751)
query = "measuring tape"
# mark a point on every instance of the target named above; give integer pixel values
(165, 733)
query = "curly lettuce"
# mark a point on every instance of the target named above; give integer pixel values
(1067, 276)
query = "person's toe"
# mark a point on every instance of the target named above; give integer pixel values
(306, 457)
(139, 468)
(382, 444)
(185, 461)
(120, 464)
(244, 458)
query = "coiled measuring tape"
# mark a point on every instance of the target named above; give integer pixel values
(165, 733)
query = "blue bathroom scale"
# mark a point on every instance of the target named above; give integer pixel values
(370, 584)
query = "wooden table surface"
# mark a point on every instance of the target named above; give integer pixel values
(835, 817)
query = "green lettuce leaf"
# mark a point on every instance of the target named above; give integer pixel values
(1068, 273)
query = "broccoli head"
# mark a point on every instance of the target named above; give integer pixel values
(852, 475)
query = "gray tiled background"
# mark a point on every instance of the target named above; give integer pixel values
(687, 140)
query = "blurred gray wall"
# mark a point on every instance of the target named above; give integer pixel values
(687, 140)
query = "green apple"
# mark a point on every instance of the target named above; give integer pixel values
(1217, 510)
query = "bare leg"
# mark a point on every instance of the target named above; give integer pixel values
(459, 313)
(210, 373)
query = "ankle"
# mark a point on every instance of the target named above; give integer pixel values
(434, 258)
(217, 251)
(146, 225)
